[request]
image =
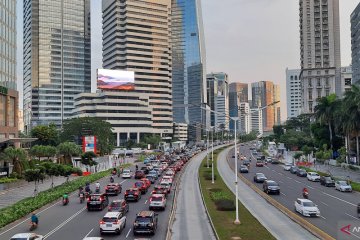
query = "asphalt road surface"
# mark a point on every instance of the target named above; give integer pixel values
(336, 207)
(74, 222)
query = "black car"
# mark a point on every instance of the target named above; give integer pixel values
(145, 170)
(259, 178)
(97, 201)
(246, 163)
(119, 206)
(145, 222)
(327, 181)
(301, 173)
(294, 169)
(270, 186)
(243, 169)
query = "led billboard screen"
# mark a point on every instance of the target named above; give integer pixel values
(115, 79)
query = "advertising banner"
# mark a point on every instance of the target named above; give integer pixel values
(89, 144)
(115, 80)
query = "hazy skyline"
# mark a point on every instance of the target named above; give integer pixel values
(250, 40)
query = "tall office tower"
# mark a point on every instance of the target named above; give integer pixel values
(244, 118)
(277, 109)
(188, 66)
(293, 92)
(263, 94)
(8, 94)
(137, 37)
(256, 121)
(319, 50)
(56, 58)
(355, 44)
(218, 99)
(238, 93)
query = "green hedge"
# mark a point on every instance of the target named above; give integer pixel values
(28, 205)
(8, 180)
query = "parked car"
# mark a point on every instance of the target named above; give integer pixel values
(243, 169)
(294, 169)
(327, 181)
(313, 176)
(306, 208)
(270, 186)
(139, 174)
(343, 186)
(145, 222)
(287, 166)
(113, 189)
(132, 194)
(97, 201)
(157, 201)
(301, 173)
(112, 222)
(126, 173)
(259, 178)
(119, 206)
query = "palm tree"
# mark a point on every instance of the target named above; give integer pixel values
(352, 114)
(17, 156)
(68, 149)
(325, 112)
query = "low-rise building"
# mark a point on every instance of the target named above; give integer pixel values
(181, 131)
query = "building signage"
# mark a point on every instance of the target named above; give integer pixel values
(3, 90)
(89, 144)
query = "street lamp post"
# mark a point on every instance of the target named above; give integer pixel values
(207, 148)
(212, 158)
(237, 221)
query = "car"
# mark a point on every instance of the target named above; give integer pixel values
(294, 169)
(166, 185)
(119, 206)
(246, 163)
(159, 189)
(132, 194)
(313, 176)
(170, 173)
(275, 161)
(113, 222)
(139, 174)
(145, 222)
(287, 166)
(151, 178)
(146, 181)
(126, 173)
(113, 189)
(145, 170)
(268, 159)
(155, 172)
(97, 201)
(259, 178)
(343, 186)
(142, 186)
(270, 186)
(27, 236)
(306, 208)
(157, 201)
(93, 238)
(168, 178)
(243, 169)
(301, 173)
(259, 163)
(327, 181)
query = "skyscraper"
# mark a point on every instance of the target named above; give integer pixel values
(137, 37)
(56, 58)
(293, 92)
(188, 65)
(355, 44)
(319, 50)
(238, 93)
(8, 94)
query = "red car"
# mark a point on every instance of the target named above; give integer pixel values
(259, 163)
(146, 181)
(139, 174)
(113, 189)
(141, 186)
(158, 189)
(133, 194)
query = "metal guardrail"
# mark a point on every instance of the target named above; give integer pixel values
(293, 216)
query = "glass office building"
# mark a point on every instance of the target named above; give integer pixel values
(56, 58)
(188, 65)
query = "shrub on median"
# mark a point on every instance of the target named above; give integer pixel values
(208, 176)
(28, 205)
(225, 205)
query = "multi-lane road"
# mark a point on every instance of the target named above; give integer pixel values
(58, 222)
(336, 207)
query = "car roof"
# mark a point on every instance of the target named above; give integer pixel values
(117, 201)
(258, 173)
(145, 213)
(304, 200)
(312, 173)
(132, 189)
(157, 195)
(93, 238)
(271, 181)
(22, 235)
(112, 214)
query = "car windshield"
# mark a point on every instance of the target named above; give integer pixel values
(115, 204)
(156, 199)
(272, 184)
(107, 219)
(309, 204)
(328, 178)
(143, 220)
(126, 171)
(260, 175)
(343, 183)
(95, 198)
(139, 184)
(130, 192)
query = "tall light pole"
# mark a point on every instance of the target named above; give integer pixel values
(212, 158)
(237, 221)
(207, 148)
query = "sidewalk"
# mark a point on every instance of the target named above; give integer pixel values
(337, 172)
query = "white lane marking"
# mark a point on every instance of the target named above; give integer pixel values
(323, 217)
(88, 233)
(27, 219)
(283, 193)
(289, 177)
(324, 203)
(267, 167)
(146, 201)
(127, 235)
(339, 199)
(352, 216)
(310, 187)
(298, 181)
(280, 174)
(64, 223)
(123, 181)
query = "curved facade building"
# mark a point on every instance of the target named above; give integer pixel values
(188, 61)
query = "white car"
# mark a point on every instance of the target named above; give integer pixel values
(126, 173)
(313, 176)
(168, 179)
(166, 185)
(157, 201)
(93, 238)
(287, 166)
(112, 222)
(343, 186)
(27, 236)
(306, 208)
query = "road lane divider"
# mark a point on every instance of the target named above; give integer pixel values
(292, 215)
(88, 233)
(127, 235)
(352, 216)
(352, 204)
(64, 223)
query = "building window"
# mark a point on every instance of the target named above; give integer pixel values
(296, 77)
(318, 82)
(310, 107)
(310, 83)
(347, 81)
(2, 110)
(319, 93)
(327, 92)
(310, 94)
(291, 77)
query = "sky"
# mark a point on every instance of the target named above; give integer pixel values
(250, 40)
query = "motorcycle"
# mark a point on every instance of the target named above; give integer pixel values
(111, 179)
(33, 226)
(82, 197)
(306, 195)
(65, 201)
(97, 190)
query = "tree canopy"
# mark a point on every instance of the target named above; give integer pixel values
(46, 135)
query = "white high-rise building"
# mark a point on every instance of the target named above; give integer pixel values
(244, 114)
(319, 50)
(256, 121)
(293, 92)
